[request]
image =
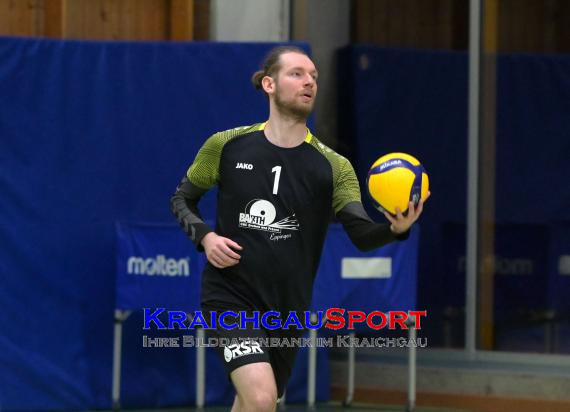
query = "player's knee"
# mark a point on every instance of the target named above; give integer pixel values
(262, 401)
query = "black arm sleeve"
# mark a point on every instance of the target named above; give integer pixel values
(363, 231)
(184, 205)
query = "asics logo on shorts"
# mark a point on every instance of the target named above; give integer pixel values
(237, 350)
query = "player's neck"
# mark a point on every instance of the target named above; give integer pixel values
(285, 132)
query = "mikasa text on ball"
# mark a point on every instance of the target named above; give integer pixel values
(396, 179)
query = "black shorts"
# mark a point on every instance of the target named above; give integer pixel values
(240, 347)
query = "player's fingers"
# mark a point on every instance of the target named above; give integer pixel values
(227, 261)
(222, 258)
(421, 204)
(233, 244)
(214, 261)
(411, 210)
(233, 262)
(389, 217)
(226, 250)
(399, 214)
(420, 209)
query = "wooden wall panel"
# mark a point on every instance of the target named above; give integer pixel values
(361, 20)
(107, 19)
(143, 19)
(116, 19)
(405, 23)
(563, 27)
(181, 20)
(55, 22)
(398, 26)
(534, 26)
(460, 24)
(443, 26)
(93, 19)
(21, 17)
(201, 20)
(379, 21)
(520, 25)
(551, 13)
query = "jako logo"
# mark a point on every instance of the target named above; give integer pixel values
(237, 350)
(158, 266)
(244, 166)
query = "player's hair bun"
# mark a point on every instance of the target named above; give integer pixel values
(256, 79)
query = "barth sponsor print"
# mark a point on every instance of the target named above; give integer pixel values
(260, 214)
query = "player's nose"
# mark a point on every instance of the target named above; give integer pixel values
(309, 80)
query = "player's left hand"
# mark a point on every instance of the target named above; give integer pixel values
(401, 223)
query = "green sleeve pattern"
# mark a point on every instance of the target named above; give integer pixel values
(346, 188)
(205, 171)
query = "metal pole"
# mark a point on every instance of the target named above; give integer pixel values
(200, 369)
(412, 367)
(120, 317)
(351, 362)
(312, 372)
(472, 177)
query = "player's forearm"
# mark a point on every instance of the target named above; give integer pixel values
(362, 231)
(184, 205)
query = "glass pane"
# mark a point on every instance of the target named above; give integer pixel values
(524, 229)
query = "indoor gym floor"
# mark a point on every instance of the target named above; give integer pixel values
(329, 407)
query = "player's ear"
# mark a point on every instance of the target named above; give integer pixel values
(268, 84)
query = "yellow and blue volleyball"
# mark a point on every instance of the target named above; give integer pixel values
(396, 179)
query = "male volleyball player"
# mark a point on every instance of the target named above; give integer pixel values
(278, 187)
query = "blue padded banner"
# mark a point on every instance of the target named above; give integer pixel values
(394, 288)
(411, 101)
(157, 268)
(92, 133)
(151, 273)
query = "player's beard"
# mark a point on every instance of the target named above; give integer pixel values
(292, 109)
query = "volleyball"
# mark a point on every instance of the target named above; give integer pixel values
(396, 179)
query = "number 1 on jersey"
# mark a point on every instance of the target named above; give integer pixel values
(277, 170)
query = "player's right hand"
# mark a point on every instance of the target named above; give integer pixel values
(220, 250)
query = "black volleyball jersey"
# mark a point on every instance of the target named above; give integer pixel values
(276, 203)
